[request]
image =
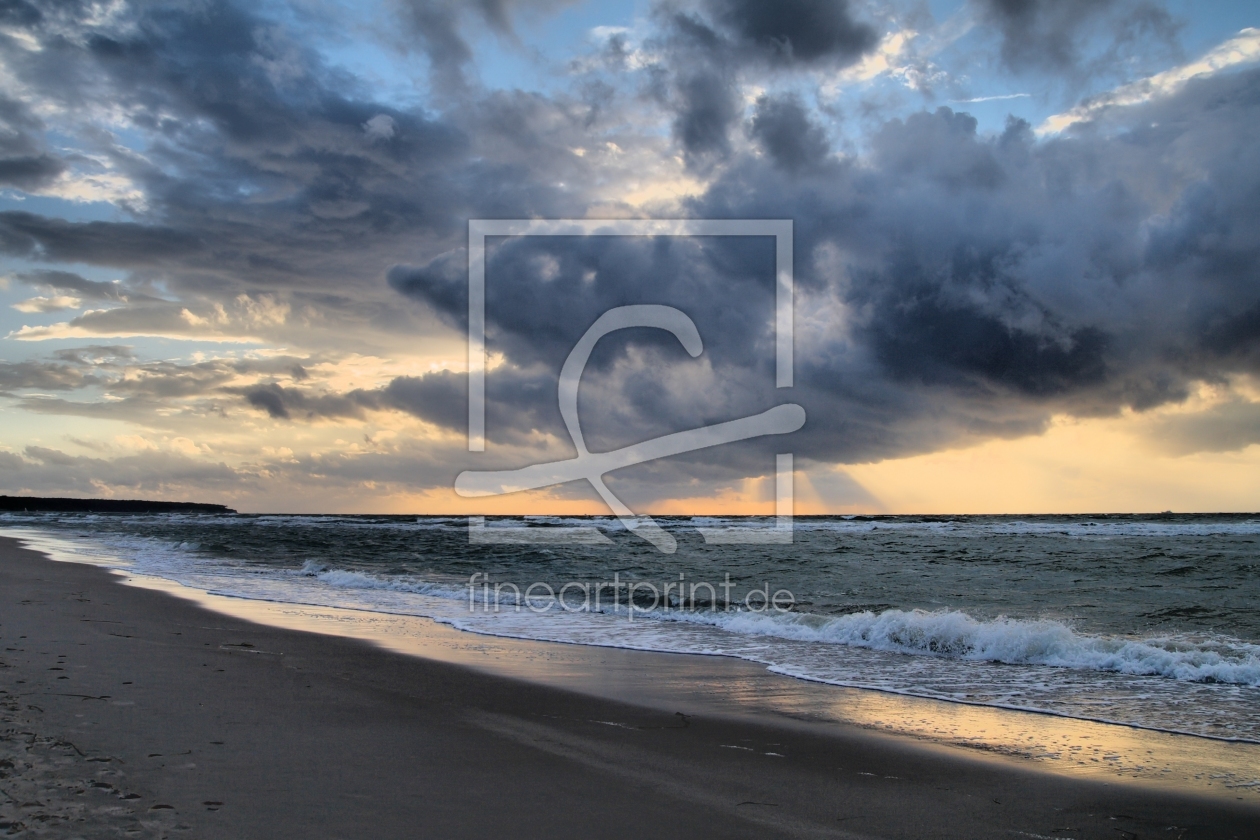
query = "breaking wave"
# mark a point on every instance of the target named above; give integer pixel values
(949, 634)
(957, 635)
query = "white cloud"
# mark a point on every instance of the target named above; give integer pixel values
(885, 59)
(1243, 48)
(56, 303)
(262, 310)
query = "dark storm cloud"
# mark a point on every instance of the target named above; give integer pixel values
(942, 149)
(1079, 273)
(518, 404)
(1077, 36)
(708, 50)
(122, 244)
(1232, 425)
(707, 106)
(24, 162)
(19, 12)
(27, 171)
(268, 171)
(983, 283)
(784, 130)
(933, 328)
(284, 403)
(953, 286)
(796, 31)
(440, 398)
(79, 286)
(547, 290)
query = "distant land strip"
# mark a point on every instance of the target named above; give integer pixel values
(36, 503)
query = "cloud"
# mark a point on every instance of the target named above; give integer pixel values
(43, 376)
(1229, 426)
(1056, 35)
(785, 132)
(259, 183)
(42, 470)
(121, 244)
(241, 319)
(439, 25)
(519, 405)
(75, 284)
(283, 403)
(380, 127)
(795, 31)
(953, 285)
(70, 291)
(162, 394)
(1039, 292)
(704, 54)
(48, 304)
(24, 161)
(985, 283)
(1242, 49)
(162, 320)
(707, 106)
(440, 398)
(886, 58)
(96, 355)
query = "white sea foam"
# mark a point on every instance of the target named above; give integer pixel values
(948, 634)
(957, 635)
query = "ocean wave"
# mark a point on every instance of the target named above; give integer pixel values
(949, 634)
(345, 579)
(605, 523)
(982, 527)
(957, 635)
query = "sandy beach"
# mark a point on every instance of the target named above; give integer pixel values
(129, 712)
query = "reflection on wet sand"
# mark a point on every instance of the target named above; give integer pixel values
(734, 687)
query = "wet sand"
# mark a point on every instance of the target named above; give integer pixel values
(125, 711)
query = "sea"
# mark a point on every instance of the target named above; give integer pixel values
(1149, 621)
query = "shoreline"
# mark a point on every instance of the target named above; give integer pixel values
(1054, 741)
(732, 686)
(683, 744)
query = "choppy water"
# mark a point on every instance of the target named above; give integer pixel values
(1150, 621)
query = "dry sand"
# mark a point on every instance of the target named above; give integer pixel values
(125, 712)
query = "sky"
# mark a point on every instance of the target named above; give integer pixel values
(234, 267)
